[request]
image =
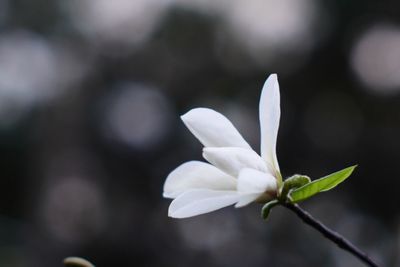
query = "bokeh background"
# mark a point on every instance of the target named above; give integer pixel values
(90, 97)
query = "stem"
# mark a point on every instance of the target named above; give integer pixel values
(336, 238)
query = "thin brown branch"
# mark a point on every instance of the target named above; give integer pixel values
(339, 240)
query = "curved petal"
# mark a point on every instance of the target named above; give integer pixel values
(252, 181)
(199, 201)
(232, 159)
(196, 174)
(270, 113)
(212, 128)
(246, 199)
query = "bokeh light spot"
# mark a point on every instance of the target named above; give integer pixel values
(73, 209)
(28, 74)
(375, 58)
(118, 21)
(138, 115)
(268, 28)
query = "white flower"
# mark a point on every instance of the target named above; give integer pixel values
(236, 173)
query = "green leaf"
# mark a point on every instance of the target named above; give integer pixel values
(266, 209)
(293, 182)
(323, 184)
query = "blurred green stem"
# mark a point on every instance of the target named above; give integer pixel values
(336, 238)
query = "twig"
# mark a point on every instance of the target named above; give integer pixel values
(339, 240)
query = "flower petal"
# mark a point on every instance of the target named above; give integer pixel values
(196, 174)
(253, 181)
(213, 129)
(199, 201)
(246, 199)
(270, 112)
(232, 159)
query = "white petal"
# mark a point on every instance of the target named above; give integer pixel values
(252, 181)
(232, 159)
(199, 201)
(196, 174)
(213, 129)
(246, 199)
(270, 112)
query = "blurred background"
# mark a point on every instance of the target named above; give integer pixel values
(90, 98)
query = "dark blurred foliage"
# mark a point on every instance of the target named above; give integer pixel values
(90, 98)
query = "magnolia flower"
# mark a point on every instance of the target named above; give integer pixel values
(235, 174)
